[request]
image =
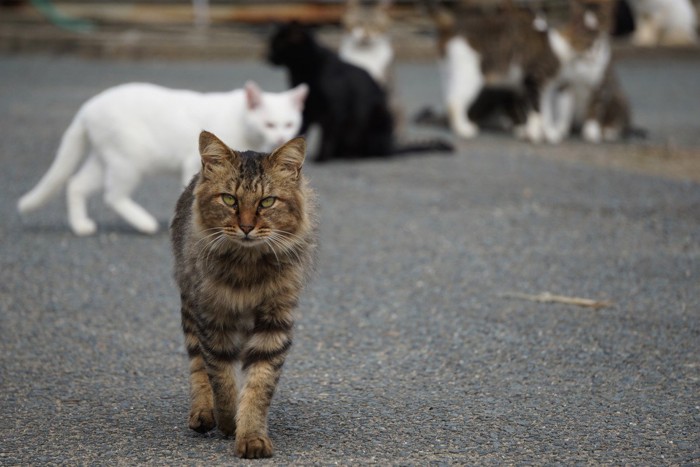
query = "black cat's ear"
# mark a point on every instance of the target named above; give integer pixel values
(214, 152)
(290, 157)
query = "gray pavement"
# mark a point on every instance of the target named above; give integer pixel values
(406, 350)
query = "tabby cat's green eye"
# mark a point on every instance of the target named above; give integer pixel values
(267, 202)
(229, 200)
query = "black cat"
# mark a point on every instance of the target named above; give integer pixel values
(343, 99)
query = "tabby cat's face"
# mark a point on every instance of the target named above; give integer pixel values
(250, 199)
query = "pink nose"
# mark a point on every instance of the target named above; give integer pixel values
(246, 228)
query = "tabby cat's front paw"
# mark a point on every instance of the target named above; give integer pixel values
(202, 420)
(253, 447)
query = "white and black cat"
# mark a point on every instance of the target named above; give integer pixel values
(350, 107)
(134, 129)
(563, 76)
(365, 41)
(584, 94)
(503, 48)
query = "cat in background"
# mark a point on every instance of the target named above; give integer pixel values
(365, 41)
(664, 22)
(243, 237)
(585, 94)
(135, 129)
(350, 107)
(562, 74)
(503, 48)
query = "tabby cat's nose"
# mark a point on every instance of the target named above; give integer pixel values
(246, 228)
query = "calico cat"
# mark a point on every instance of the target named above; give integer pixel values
(243, 236)
(503, 48)
(350, 107)
(365, 41)
(563, 73)
(131, 130)
(584, 94)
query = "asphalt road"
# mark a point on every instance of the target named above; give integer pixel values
(407, 351)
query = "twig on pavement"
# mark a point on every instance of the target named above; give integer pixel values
(546, 297)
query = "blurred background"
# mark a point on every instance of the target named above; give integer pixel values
(223, 29)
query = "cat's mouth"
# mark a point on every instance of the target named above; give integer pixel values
(249, 241)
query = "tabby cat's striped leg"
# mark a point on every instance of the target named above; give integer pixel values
(262, 362)
(201, 416)
(223, 382)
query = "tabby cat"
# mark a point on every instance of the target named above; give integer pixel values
(243, 237)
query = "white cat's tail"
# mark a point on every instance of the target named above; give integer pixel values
(70, 153)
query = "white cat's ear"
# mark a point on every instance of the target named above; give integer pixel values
(299, 95)
(290, 156)
(253, 95)
(213, 151)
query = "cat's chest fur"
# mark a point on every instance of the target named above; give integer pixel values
(580, 68)
(374, 57)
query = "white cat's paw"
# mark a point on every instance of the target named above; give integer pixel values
(148, 226)
(533, 130)
(466, 130)
(84, 227)
(553, 135)
(592, 132)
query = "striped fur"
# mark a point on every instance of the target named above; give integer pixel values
(240, 269)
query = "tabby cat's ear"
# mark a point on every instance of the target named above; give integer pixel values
(290, 157)
(214, 152)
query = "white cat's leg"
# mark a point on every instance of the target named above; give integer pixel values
(532, 130)
(121, 182)
(463, 82)
(592, 131)
(88, 180)
(557, 106)
(646, 32)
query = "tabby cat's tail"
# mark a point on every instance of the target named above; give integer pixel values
(70, 154)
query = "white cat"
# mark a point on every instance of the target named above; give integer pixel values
(134, 129)
(664, 22)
